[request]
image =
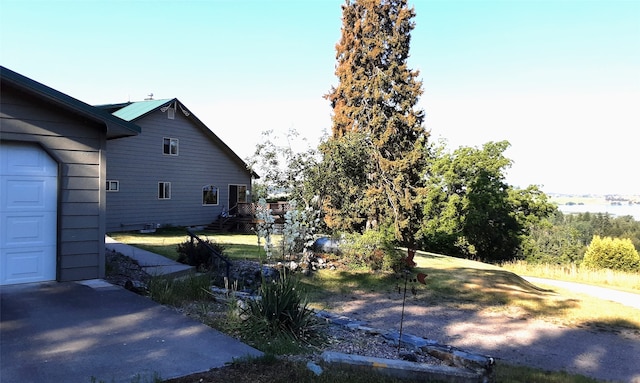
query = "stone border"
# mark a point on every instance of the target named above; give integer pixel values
(464, 367)
(402, 368)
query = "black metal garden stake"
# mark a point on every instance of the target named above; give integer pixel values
(420, 278)
(404, 298)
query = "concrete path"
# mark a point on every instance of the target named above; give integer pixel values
(153, 264)
(75, 332)
(627, 299)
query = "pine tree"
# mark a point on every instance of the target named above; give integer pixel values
(376, 98)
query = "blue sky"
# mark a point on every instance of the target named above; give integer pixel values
(560, 80)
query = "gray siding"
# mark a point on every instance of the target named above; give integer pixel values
(78, 147)
(138, 163)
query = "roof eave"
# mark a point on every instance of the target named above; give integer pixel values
(115, 127)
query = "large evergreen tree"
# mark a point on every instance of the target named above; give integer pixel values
(374, 104)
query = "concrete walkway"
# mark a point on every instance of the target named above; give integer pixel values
(153, 264)
(625, 298)
(78, 332)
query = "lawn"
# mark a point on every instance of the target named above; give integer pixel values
(451, 281)
(165, 242)
(479, 286)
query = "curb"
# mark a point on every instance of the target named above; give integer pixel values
(464, 367)
(402, 369)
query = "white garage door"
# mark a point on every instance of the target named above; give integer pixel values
(28, 203)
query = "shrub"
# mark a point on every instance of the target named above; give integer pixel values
(281, 310)
(196, 253)
(374, 249)
(612, 253)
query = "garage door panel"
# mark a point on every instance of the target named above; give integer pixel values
(29, 229)
(27, 265)
(26, 160)
(23, 194)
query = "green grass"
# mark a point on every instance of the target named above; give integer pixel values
(165, 242)
(519, 374)
(176, 291)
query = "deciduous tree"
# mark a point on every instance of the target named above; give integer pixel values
(471, 211)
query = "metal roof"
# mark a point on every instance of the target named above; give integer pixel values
(138, 109)
(115, 127)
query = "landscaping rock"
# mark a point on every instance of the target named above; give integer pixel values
(314, 368)
(402, 368)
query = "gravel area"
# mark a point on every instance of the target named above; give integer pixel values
(341, 339)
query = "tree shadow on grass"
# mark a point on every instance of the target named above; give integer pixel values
(490, 311)
(454, 287)
(478, 289)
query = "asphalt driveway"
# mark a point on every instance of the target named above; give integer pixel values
(76, 332)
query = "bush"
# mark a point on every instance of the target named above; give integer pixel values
(196, 253)
(374, 249)
(612, 253)
(280, 311)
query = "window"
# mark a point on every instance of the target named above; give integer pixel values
(209, 195)
(113, 186)
(170, 146)
(242, 193)
(164, 190)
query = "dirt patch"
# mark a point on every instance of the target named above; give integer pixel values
(509, 335)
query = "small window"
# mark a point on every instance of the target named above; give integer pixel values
(209, 195)
(170, 146)
(242, 193)
(164, 190)
(113, 186)
(171, 114)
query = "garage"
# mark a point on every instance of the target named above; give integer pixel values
(28, 214)
(52, 182)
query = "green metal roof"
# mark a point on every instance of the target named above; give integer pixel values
(115, 127)
(138, 109)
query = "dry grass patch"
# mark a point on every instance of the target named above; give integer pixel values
(621, 280)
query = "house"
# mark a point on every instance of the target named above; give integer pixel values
(177, 172)
(52, 176)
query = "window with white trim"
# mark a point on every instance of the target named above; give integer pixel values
(210, 195)
(170, 146)
(113, 186)
(164, 190)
